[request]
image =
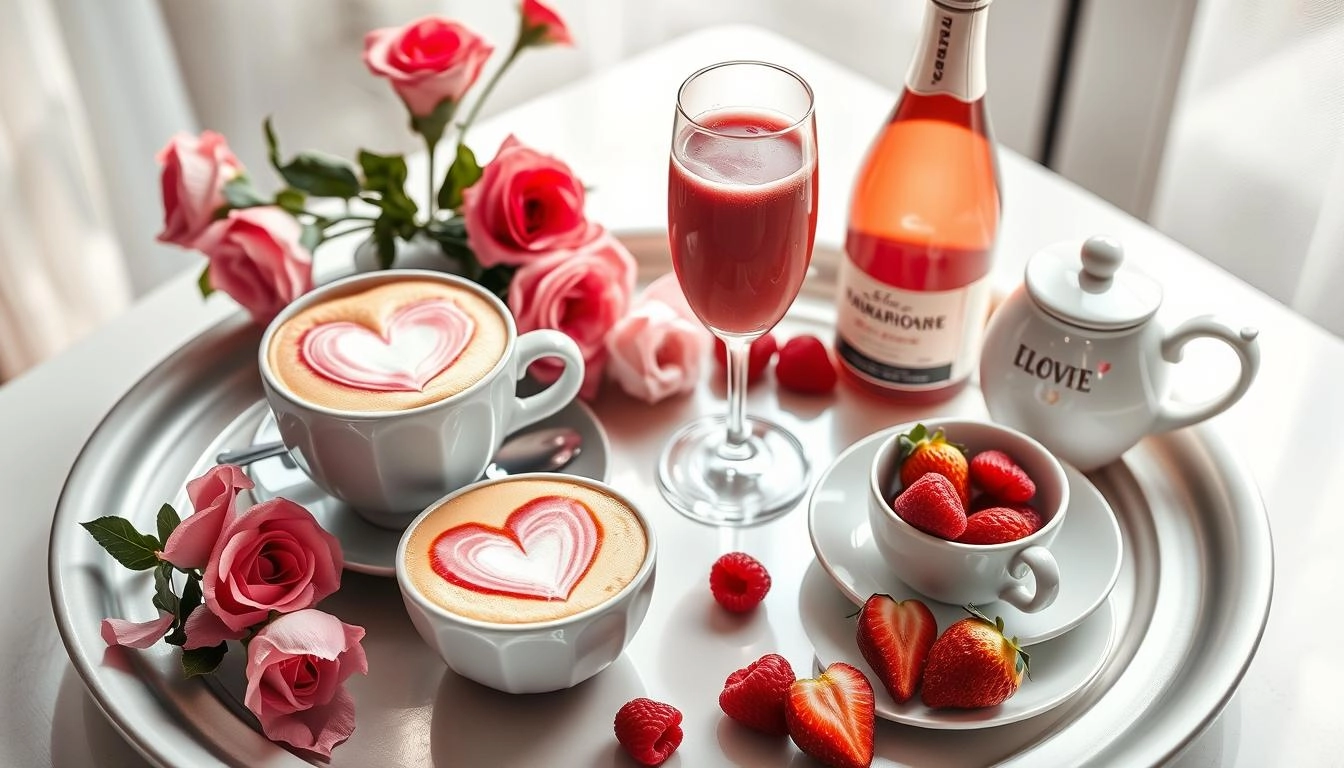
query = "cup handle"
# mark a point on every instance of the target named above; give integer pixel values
(1243, 342)
(532, 346)
(1043, 565)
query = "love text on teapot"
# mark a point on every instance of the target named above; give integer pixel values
(1047, 368)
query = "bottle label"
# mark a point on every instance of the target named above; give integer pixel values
(950, 58)
(909, 339)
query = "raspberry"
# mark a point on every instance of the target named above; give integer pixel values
(755, 696)
(805, 366)
(999, 524)
(998, 475)
(738, 581)
(650, 731)
(761, 353)
(932, 505)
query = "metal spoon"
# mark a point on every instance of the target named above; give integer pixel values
(542, 450)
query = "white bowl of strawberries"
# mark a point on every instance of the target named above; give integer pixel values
(965, 511)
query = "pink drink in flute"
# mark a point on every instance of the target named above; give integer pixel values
(741, 217)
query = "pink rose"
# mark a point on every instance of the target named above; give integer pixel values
(427, 61)
(296, 669)
(273, 557)
(545, 23)
(525, 205)
(255, 257)
(656, 350)
(212, 496)
(195, 171)
(580, 292)
(136, 634)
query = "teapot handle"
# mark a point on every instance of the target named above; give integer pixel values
(1243, 342)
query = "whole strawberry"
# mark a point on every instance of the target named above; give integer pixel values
(973, 665)
(755, 696)
(921, 453)
(931, 504)
(995, 473)
(997, 525)
(894, 638)
(805, 366)
(762, 351)
(831, 716)
(650, 731)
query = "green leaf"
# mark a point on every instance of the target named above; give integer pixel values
(385, 238)
(191, 600)
(272, 146)
(240, 193)
(291, 199)
(203, 282)
(167, 521)
(164, 597)
(431, 126)
(386, 175)
(128, 546)
(321, 175)
(311, 236)
(464, 172)
(203, 661)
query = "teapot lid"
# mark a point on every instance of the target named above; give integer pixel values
(1087, 287)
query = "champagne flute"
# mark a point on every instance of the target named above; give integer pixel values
(742, 215)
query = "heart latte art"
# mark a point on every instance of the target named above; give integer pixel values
(396, 345)
(525, 550)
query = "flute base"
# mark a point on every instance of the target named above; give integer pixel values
(709, 480)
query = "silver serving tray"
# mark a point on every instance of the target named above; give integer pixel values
(1190, 605)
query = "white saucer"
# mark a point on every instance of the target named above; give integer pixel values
(1059, 667)
(369, 548)
(1087, 548)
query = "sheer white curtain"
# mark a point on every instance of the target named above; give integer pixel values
(1253, 172)
(60, 269)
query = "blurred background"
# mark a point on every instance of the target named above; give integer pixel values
(1220, 122)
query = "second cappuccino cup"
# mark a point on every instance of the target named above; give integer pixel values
(394, 388)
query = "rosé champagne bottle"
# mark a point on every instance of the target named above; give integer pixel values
(914, 289)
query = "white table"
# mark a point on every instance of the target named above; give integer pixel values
(612, 128)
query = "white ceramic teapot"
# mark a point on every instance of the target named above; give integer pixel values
(1075, 359)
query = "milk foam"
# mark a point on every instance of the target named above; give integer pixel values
(619, 552)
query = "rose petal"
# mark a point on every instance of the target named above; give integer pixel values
(133, 634)
(212, 496)
(205, 630)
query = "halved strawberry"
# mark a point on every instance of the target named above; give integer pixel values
(973, 665)
(831, 716)
(761, 353)
(931, 504)
(894, 638)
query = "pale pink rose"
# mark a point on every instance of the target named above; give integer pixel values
(273, 557)
(427, 61)
(656, 351)
(256, 258)
(206, 630)
(296, 669)
(525, 205)
(212, 495)
(548, 24)
(195, 171)
(580, 292)
(136, 634)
